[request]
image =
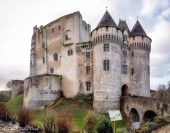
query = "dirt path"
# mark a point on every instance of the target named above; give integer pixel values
(164, 129)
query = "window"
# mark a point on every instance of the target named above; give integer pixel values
(124, 69)
(43, 59)
(87, 70)
(106, 47)
(88, 55)
(88, 86)
(132, 54)
(106, 65)
(52, 30)
(148, 70)
(51, 70)
(124, 54)
(59, 27)
(70, 52)
(43, 45)
(132, 71)
(55, 56)
(107, 28)
(125, 37)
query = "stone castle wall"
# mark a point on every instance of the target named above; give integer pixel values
(40, 90)
(17, 87)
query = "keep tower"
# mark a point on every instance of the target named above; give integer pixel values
(107, 39)
(139, 51)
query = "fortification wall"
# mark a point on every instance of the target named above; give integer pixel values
(5, 95)
(40, 90)
(17, 87)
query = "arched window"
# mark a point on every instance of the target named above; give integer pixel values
(55, 56)
(70, 52)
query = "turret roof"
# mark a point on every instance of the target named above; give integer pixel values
(123, 26)
(107, 20)
(137, 30)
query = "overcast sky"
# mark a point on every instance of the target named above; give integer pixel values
(18, 17)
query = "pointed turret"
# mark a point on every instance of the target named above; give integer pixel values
(107, 21)
(123, 26)
(137, 30)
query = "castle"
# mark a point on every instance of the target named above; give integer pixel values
(109, 62)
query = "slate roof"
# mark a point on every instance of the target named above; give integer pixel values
(107, 20)
(137, 30)
(123, 26)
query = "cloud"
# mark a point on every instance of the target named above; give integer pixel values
(153, 7)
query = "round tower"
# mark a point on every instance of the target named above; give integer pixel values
(106, 39)
(32, 53)
(139, 51)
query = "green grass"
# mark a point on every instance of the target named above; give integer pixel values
(15, 104)
(77, 111)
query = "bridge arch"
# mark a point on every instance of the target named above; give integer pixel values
(149, 115)
(134, 115)
(124, 90)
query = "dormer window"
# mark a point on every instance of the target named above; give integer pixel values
(106, 28)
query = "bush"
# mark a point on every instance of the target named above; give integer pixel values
(90, 122)
(104, 126)
(82, 98)
(24, 117)
(49, 123)
(4, 114)
(160, 120)
(64, 124)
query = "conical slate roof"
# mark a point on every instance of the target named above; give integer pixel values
(137, 30)
(107, 20)
(123, 26)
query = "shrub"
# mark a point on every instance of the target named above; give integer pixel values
(24, 117)
(49, 123)
(64, 124)
(160, 120)
(90, 121)
(4, 114)
(104, 126)
(82, 98)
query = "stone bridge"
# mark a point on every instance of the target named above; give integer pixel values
(139, 109)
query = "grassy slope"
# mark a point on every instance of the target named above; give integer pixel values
(15, 104)
(74, 109)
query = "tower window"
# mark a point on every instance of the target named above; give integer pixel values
(124, 69)
(55, 56)
(132, 71)
(87, 70)
(88, 55)
(52, 30)
(106, 47)
(132, 54)
(88, 86)
(106, 28)
(106, 64)
(51, 70)
(43, 59)
(124, 54)
(70, 52)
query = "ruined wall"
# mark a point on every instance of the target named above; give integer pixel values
(17, 87)
(5, 95)
(40, 90)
